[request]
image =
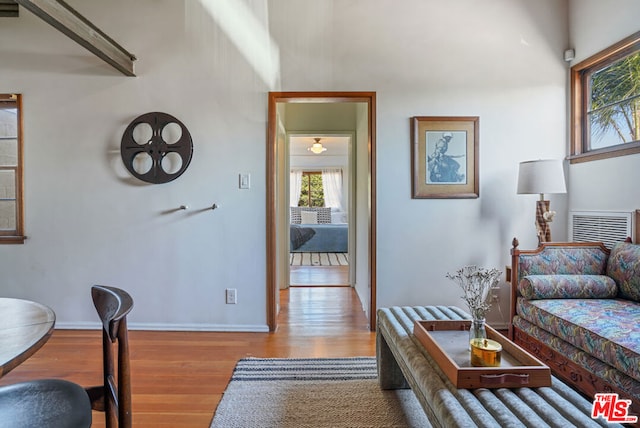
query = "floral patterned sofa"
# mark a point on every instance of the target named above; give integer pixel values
(576, 306)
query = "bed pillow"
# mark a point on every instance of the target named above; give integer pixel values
(308, 217)
(295, 215)
(324, 214)
(624, 267)
(338, 216)
(534, 287)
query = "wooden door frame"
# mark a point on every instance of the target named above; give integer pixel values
(272, 174)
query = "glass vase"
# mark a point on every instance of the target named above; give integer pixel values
(477, 330)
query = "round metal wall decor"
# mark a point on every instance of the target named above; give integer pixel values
(156, 148)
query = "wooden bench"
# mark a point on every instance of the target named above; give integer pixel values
(403, 362)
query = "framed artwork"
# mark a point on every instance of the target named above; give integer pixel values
(444, 157)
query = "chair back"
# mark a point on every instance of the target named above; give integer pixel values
(114, 396)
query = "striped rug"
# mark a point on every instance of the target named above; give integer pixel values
(319, 259)
(316, 392)
(300, 369)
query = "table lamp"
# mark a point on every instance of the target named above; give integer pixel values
(542, 176)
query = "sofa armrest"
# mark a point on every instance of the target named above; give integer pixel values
(624, 267)
(535, 287)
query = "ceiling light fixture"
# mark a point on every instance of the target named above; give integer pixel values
(317, 147)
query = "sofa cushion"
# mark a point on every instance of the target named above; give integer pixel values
(588, 362)
(605, 328)
(567, 287)
(624, 267)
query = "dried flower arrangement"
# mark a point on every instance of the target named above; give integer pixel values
(476, 283)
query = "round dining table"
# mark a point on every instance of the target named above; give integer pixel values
(24, 327)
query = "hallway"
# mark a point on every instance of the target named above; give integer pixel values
(310, 276)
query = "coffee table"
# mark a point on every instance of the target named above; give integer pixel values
(403, 362)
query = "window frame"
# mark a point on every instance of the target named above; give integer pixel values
(16, 236)
(580, 97)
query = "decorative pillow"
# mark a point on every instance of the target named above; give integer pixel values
(308, 217)
(324, 214)
(536, 287)
(295, 215)
(624, 267)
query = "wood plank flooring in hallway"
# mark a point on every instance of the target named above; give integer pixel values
(308, 276)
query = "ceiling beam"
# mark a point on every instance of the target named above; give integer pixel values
(64, 18)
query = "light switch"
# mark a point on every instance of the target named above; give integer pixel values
(245, 181)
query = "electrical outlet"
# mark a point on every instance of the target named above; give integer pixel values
(232, 296)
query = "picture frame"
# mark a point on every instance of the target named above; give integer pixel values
(444, 157)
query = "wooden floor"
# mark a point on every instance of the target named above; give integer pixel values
(319, 276)
(178, 377)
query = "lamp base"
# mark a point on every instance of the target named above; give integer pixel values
(542, 226)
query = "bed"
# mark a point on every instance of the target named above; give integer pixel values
(319, 238)
(318, 230)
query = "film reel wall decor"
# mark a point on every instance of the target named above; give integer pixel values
(156, 148)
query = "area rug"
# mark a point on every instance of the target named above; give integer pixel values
(318, 259)
(314, 393)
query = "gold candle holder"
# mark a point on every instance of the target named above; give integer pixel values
(485, 352)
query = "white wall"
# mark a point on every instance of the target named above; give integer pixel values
(362, 275)
(501, 61)
(89, 222)
(609, 184)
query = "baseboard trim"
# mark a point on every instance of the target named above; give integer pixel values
(499, 325)
(170, 327)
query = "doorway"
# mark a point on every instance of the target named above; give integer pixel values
(321, 217)
(295, 111)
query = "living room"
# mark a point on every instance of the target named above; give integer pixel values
(89, 221)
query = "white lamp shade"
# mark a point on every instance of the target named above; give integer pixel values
(541, 176)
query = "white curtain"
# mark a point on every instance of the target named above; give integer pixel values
(295, 185)
(332, 185)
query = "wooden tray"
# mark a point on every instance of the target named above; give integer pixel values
(448, 344)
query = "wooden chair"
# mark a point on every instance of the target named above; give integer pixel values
(114, 396)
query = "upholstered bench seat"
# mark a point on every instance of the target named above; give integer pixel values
(604, 328)
(585, 360)
(403, 362)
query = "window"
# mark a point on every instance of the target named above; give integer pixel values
(11, 203)
(311, 191)
(605, 98)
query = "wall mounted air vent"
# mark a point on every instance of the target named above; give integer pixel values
(606, 226)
